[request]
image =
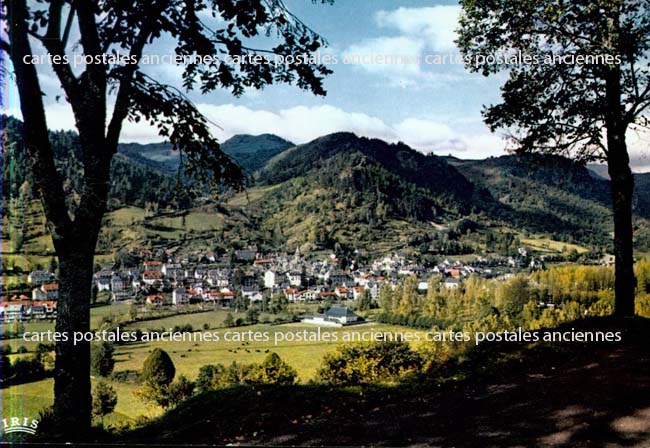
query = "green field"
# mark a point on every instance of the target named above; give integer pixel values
(188, 358)
(552, 246)
(214, 319)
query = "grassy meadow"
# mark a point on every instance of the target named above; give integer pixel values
(188, 357)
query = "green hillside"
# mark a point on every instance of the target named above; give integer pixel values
(251, 152)
(546, 194)
(338, 192)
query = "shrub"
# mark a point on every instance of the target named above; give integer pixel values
(211, 377)
(158, 372)
(158, 369)
(26, 370)
(180, 390)
(104, 400)
(229, 321)
(6, 350)
(101, 359)
(126, 376)
(369, 363)
(274, 370)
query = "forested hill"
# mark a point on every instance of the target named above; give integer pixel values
(134, 182)
(251, 152)
(393, 177)
(545, 193)
(361, 192)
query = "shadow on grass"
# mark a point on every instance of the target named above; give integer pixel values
(544, 394)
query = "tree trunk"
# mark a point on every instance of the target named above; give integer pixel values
(618, 165)
(622, 184)
(72, 394)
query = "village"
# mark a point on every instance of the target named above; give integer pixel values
(249, 278)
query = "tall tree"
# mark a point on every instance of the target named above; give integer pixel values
(107, 28)
(580, 82)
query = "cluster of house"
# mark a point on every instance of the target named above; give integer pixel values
(165, 279)
(42, 304)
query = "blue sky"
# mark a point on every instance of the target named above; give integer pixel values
(432, 107)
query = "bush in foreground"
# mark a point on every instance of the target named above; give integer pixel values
(378, 362)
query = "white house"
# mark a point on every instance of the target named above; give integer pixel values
(295, 278)
(341, 314)
(151, 277)
(180, 297)
(271, 279)
(452, 283)
(334, 317)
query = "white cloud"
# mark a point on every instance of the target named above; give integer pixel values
(435, 25)
(302, 124)
(392, 56)
(298, 124)
(419, 32)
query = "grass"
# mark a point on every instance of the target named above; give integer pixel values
(30, 398)
(196, 320)
(189, 357)
(548, 245)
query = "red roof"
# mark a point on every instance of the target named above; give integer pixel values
(50, 287)
(152, 274)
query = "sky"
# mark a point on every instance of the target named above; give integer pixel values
(432, 107)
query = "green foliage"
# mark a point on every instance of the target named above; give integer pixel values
(229, 321)
(537, 300)
(101, 359)
(369, 363)
(158, 369)
(253, 315)
(253, 151)
(273, 370)
(513, 295)
(364, 302)
(179, 390)
(104, 400)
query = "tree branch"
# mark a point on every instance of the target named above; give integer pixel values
(121, 109)
(68, 24)
(37, 142)
(54, 20)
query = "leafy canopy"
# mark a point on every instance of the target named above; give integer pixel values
(213, 36)
(560, 107)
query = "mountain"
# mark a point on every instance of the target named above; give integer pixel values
(251, 152)
(346, 192)
(410, 183)
(642, 194)
(546, 194)
(157, 156)
(599, 170)
(134, 181)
